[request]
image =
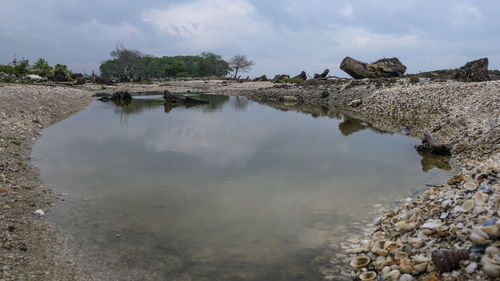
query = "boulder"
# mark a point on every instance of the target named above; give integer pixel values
(302, 76)
(61, 76)
(474, 71)
(322, 75)
(381, 68)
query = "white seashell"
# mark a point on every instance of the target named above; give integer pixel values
(378, 248)
(368, 276)
(471, 267)
(493, 231)
(478, 240)
(478, 210)
(406, 277)
(403, 226)
(492, 251)
(479, 232)
(442, 230)
(420, 259)
(359, 262)
(39, 212)
(404, 238)
(421, 267)
(393, 275)
(390, 245)
(470, 186)
(405, 266)
(491, 265)
(468, 206)
(400, 255)
(415, 242)
(385, 272)
(480, 197)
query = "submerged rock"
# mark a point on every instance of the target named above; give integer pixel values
(179, 99)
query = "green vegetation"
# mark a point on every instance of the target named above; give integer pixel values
(41, 67)
(291, 80)
(131, 64)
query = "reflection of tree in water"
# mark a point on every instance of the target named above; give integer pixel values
(239, 103)
(430, 161)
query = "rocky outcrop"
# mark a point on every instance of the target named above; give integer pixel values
(302, 76)
(474, 71)
(381, 68)
(322, 75)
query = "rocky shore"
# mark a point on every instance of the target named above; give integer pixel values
(30, 249)
(465, 115)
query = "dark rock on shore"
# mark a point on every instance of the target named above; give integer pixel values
(474, 71)
(381, 68)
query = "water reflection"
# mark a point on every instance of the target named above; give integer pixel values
(231, 190)
(430, 161)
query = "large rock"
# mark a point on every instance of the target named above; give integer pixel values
(262, 78)
(474, 71)
(382, 68)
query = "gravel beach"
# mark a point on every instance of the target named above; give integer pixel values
(465, 115)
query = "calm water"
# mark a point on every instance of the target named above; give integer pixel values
(233, 190)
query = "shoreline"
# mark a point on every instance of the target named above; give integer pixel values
(465, 116)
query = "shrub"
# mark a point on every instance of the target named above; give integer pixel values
(20, 67)
(42, 68)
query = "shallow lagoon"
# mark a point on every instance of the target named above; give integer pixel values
(232, 190)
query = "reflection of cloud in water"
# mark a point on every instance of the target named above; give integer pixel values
(206, 136)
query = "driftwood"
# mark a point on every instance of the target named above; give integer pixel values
(179, 99)
(431, 145)
(322, 75)
(280, 77)
(382, 68)
(302, 76)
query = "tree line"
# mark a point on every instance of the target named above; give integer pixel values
(20, 67)
(126, 65)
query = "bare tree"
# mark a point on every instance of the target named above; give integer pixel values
(240, 63)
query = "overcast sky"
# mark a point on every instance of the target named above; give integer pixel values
(281, 36)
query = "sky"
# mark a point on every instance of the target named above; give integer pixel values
(281, 36)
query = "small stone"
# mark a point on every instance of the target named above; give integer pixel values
(3, 189)
(39, 212)
(432, 277)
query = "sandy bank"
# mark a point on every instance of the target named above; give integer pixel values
(29, 248)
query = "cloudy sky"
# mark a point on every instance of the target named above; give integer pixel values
(281, 36)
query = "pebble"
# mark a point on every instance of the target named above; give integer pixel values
(39, 212)
(471, 267)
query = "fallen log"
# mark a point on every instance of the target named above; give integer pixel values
(179, 99)
(322, 75)
(381, 68)
(431, 145)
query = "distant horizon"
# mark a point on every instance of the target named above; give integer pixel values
(282, 37)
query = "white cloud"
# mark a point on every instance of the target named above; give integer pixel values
(208, 23)
(346, 11)
(355, 38)
(466, 13)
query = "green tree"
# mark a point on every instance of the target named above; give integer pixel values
(213, 65)
(20, 67)
(42, 68)
(62, 67)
